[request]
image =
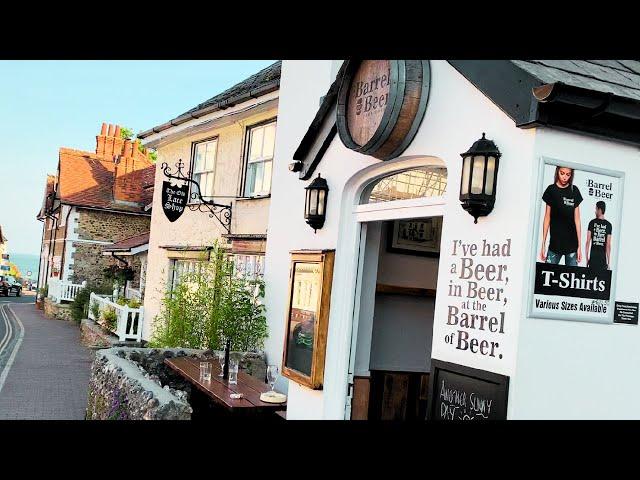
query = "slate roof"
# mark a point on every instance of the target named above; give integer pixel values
(128, 243)
(619, 77)
(611, 112)
(87, 179)
(265, 81)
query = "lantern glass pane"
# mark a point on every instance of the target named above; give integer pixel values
(321, 197)
(491, 173)
(313, 204)
(477, 176)
(307, 202)
(466, 172)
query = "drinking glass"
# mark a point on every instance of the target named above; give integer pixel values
(233, 371)
(220, 356)
(272, 375)
(205, 371)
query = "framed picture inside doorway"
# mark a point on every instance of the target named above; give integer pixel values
(307, 316)
(416, 236)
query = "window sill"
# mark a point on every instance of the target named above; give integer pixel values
(255, 197)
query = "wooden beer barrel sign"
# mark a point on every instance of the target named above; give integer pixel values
(381, 104)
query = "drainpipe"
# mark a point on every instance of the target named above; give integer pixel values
(64, 245)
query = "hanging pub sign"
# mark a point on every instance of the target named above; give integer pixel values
(576, 242)
(174, 200)
(381, 104)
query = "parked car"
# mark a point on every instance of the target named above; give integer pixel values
(9, 284)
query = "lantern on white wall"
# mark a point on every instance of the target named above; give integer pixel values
(479, 178)
(315, 204)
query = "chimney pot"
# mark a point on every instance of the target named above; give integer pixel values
(103, 130)
(111, 130)
(117, 134)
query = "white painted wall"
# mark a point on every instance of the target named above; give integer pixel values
(456, 116)
(576, 370)
(195, 228)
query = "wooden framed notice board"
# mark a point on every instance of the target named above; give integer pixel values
(308, 302)
(457, 392)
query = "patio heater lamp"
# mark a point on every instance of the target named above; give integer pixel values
(479, 178)
(315, 204)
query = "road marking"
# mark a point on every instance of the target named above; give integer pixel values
(7, 367)
(7, 332)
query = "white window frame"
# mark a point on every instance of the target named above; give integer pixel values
(262, 159)
(191, 265)
(255, 262)
(197, 174)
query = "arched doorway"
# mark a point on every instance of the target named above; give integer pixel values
(392, 214)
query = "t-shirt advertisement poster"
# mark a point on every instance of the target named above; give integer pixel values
(576, 247)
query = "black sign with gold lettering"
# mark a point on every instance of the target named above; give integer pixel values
(174, 200)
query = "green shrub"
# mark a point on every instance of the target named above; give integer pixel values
(95, 310)
(80, 305)
(121, 301)
(133, 303)
(212, 304)
(109, 318)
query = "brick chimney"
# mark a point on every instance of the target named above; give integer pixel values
(109, 143)
(129, 173)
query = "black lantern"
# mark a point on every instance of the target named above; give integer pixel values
(479, 178)
(315, 204)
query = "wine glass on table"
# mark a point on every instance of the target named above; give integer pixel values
(272, 376)
(220, 356)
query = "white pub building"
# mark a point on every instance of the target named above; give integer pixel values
(456, 239)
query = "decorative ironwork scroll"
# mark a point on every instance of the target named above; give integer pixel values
(220, 212)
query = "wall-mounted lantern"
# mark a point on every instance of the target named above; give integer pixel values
(479, 178)
(315, 204)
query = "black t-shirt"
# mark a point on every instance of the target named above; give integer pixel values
(599, 230)
(563, 202)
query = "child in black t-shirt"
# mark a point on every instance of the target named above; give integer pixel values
(599, 238)
(562, 219)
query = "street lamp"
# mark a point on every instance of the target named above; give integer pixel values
(315, 205)
(479, 178)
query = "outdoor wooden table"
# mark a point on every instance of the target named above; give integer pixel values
(219, 390)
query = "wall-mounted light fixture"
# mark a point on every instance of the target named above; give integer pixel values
(479, 178)
(315, 204)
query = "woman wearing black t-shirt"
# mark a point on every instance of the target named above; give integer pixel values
(562, 218)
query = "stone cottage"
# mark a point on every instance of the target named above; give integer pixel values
(94, 200)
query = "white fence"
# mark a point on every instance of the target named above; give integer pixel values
(129, 320)
(134, 293)
(64, 291)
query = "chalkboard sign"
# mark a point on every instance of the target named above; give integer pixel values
(461, 393)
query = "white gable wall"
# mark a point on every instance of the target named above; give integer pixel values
(456, 116)
(577, 370)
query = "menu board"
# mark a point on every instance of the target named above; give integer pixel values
(459, 393)
(307, 281)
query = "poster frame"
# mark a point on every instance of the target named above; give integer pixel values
(543, 161)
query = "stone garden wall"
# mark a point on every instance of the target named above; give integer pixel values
(60, 311)
(135, 384)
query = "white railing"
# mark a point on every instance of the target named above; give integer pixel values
(129, 320)
(134, 293)
(64, 291)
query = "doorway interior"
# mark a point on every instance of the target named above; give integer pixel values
(390, 367)
(400, 217)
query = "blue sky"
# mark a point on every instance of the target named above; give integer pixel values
(45, 105)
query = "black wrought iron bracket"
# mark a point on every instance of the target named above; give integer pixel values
(220, 212)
